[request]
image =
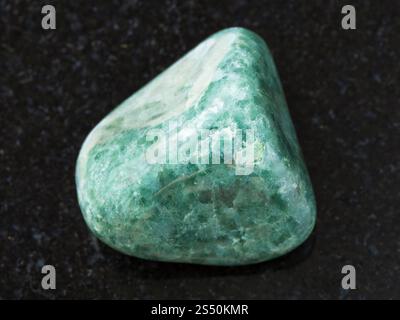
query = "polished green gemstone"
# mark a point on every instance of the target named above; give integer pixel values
(202, 165)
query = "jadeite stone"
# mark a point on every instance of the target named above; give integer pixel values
(232, 213)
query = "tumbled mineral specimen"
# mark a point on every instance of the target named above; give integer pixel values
(201, 165)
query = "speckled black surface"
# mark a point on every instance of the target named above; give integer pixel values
(343, 92)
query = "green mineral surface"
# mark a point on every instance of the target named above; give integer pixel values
(201, 165)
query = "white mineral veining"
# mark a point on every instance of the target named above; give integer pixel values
(171, 93)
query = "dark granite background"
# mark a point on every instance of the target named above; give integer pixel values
(343, 92)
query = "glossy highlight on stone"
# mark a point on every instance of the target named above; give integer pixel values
(195, 211)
